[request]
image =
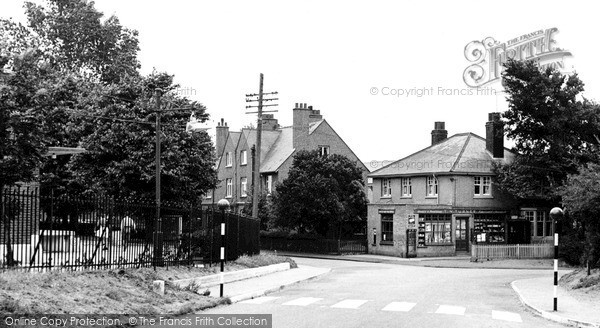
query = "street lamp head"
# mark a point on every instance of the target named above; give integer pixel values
(223, 204)
(556, 213)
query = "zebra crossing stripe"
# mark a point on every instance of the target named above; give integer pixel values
(349, 304)
(260, 300)
(303, 301)
(506, 316)
(450, 309)
(399, 306)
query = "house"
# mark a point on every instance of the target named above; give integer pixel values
(441, 199)
(309, 131)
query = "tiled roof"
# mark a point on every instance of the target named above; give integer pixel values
(461, 153)
(268, 139)
(281, 150)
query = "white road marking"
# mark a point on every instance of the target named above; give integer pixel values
(450, 309)
(303, 301)
(399, 306)
(260, 300)
(506, 316)
(349, 304)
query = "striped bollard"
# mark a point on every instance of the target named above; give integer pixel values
(223, 204)
(555, 214)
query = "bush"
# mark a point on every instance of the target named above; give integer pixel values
(571, 249)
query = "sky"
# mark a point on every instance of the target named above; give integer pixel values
(347, 59)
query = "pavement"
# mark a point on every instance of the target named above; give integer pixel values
(255, 287)
(537, 295)
(534, 293)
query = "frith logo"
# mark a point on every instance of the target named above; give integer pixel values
(488, 56)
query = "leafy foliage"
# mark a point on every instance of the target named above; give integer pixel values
(320, 193)
(581, 198)
(555, 130)
(70, 78)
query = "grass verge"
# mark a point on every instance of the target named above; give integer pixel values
(119, 291)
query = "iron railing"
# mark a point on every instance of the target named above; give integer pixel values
(47, 232)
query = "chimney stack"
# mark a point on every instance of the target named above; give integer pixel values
(269, 122)
(439, 133)
(303, 116)
(222, 133)
(494, 135)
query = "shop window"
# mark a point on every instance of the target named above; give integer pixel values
(490, 228)
(387, 228)
(438, 229)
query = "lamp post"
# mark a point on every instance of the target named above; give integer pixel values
(223, 204)
(556, 214)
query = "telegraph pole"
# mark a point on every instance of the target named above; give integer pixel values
(256, 176)
(157, 228)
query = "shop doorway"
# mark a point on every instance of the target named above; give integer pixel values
(461, 236)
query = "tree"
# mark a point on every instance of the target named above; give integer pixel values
(94, 96)
(79, 41)
(119, 134)
(555, 130)
(320, 193)
(557, 139)
(581, 198)
(266, 211)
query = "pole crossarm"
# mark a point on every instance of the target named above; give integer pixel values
(269, 105)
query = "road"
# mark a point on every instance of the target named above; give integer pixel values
(356, 294)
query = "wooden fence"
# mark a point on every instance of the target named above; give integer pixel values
(516, 251)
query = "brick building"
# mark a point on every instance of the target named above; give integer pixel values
(309, 131)
(440, 200)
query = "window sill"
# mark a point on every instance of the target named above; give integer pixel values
(385, 197)
(229, 197)
(447, 244)
(228, 166)
(243, 164)
(387, 243)
(431, 197)
(406, 197)
(243, 196)
(483, 196)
